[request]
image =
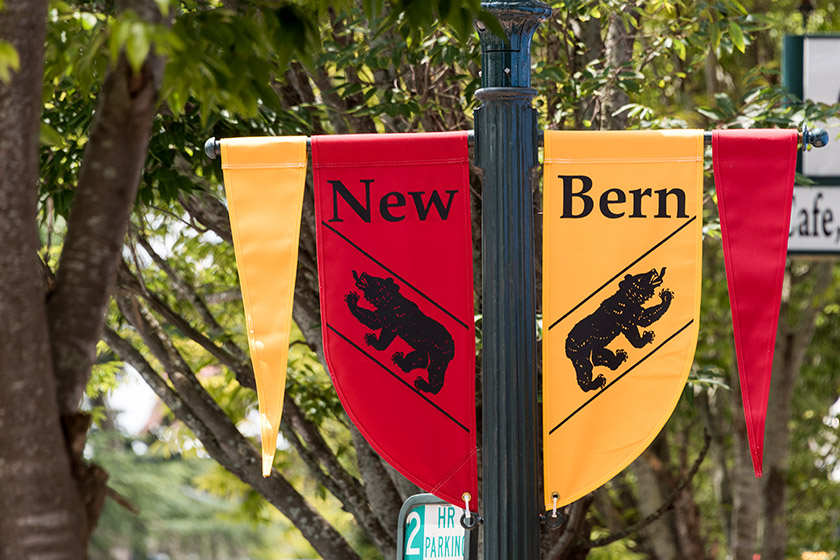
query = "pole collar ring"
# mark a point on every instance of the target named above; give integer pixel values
(553, 520)
(471, 522)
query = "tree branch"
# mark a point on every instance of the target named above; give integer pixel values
(228, 446)
(186, 292)
(207, 210)
(379, 489)
(667, 505)
(238, 363)
(576, 515)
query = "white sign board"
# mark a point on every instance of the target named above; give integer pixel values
(431, 528)
(434, 531)
(815, 220)
(821, 83)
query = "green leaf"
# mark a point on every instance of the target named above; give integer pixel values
(119, 36)
(715, 36)
(50, 137)
(490, 21)
(710, 113)
(163, 6)
(679, 46)
(9, 60)
(740, 7)
(737, 36)
(87, 20)
(137, 47)
(726, 105)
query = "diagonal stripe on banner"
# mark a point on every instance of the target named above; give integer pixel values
(403, 280)
(622, 271)
(398, 378)
(614, 381)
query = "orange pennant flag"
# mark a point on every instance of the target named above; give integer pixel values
(621, 297)
(264, 181)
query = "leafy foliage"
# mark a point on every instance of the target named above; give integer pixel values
(174, 515)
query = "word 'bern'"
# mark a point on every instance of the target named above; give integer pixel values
(616, 203)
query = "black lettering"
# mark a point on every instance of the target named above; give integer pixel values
(385, 206)
(434, 200)
(803, 225)
(568, 194)
(663, 203)
(793, 210)
(362, 211)
(816, 211)
(605, 202)
(637, 202)
(827, 218)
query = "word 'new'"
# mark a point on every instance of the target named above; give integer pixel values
(393, 206)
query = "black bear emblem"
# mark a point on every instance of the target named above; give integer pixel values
(621, 313)
(399, 317)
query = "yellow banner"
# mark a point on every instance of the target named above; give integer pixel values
(264, 180)
(621, 297)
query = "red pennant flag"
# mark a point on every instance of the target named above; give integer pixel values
(754, 172)
(395, 266)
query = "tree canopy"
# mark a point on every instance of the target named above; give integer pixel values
(115, 229)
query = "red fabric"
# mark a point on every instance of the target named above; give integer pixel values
(395, 265)
(754, 172)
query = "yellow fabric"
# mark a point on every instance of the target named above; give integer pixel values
(591, 435)
(264, 180)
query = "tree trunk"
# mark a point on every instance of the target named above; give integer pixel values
(37, 479)
(792, 340)
(660, 534)
(107, 188)
(745, 487)
(50, 345)
(618, 52)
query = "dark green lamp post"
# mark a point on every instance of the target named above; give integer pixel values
(506, 151)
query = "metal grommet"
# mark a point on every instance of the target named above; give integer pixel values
(553, 519)
(468, 520)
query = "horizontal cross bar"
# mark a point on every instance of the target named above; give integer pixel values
(816, 138)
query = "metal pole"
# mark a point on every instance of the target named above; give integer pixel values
(506, 150)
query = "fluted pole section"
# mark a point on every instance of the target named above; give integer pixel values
(506, 151)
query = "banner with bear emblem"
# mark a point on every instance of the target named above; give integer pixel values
(621, 297)
(395, 261)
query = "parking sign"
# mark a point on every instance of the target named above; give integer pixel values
(431, 528)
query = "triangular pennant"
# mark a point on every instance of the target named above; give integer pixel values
(621, 297)
(395, 266)
(754, 172)
(264, 180)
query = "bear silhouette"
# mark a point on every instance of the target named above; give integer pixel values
(621, 313)
(397, 316)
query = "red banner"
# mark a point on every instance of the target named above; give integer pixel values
(754, 172)
(395, 264)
